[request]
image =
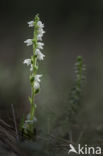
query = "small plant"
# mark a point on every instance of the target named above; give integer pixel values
(73, 103)
(76, 91)
(28, 125)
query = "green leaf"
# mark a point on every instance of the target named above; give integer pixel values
(36, 68)
(31, 79)
(37, 91)
(30, 100)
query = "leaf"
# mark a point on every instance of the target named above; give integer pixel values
(30, 100)
(31, 79)
(37, 91)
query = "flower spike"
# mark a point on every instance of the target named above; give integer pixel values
(29, 124)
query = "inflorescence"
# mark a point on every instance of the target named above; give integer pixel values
(29, 124)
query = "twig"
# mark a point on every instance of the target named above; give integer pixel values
(70, 135)
(80, 136)
(14, 118)
(4, 124)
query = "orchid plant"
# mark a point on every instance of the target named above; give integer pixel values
(37, 44)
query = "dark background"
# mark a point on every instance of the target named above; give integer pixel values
(72, 28)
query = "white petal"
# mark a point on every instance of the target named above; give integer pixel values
(36, 85)
(40, 56)
(40, 24)
(39, 37)
(37, 77)
(31, 68)
(40, 45)
(37, 51)
(33, 120)
(27, 61)
(41, 31)
(31, 24)
(28, 42)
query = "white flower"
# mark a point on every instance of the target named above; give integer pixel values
(27, 61)
(34, 118)
(40, 45)
(36, 85)
(39, 37)
(37, 78)
(37, 81)
(31, 68)
(40, 24)
(40, 34)
(41, 31)
(40, 56)
(37, 51)
(31, 23)
(28, 42)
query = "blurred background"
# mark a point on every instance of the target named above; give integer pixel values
(72, 28)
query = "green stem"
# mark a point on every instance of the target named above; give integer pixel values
(34, 72)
